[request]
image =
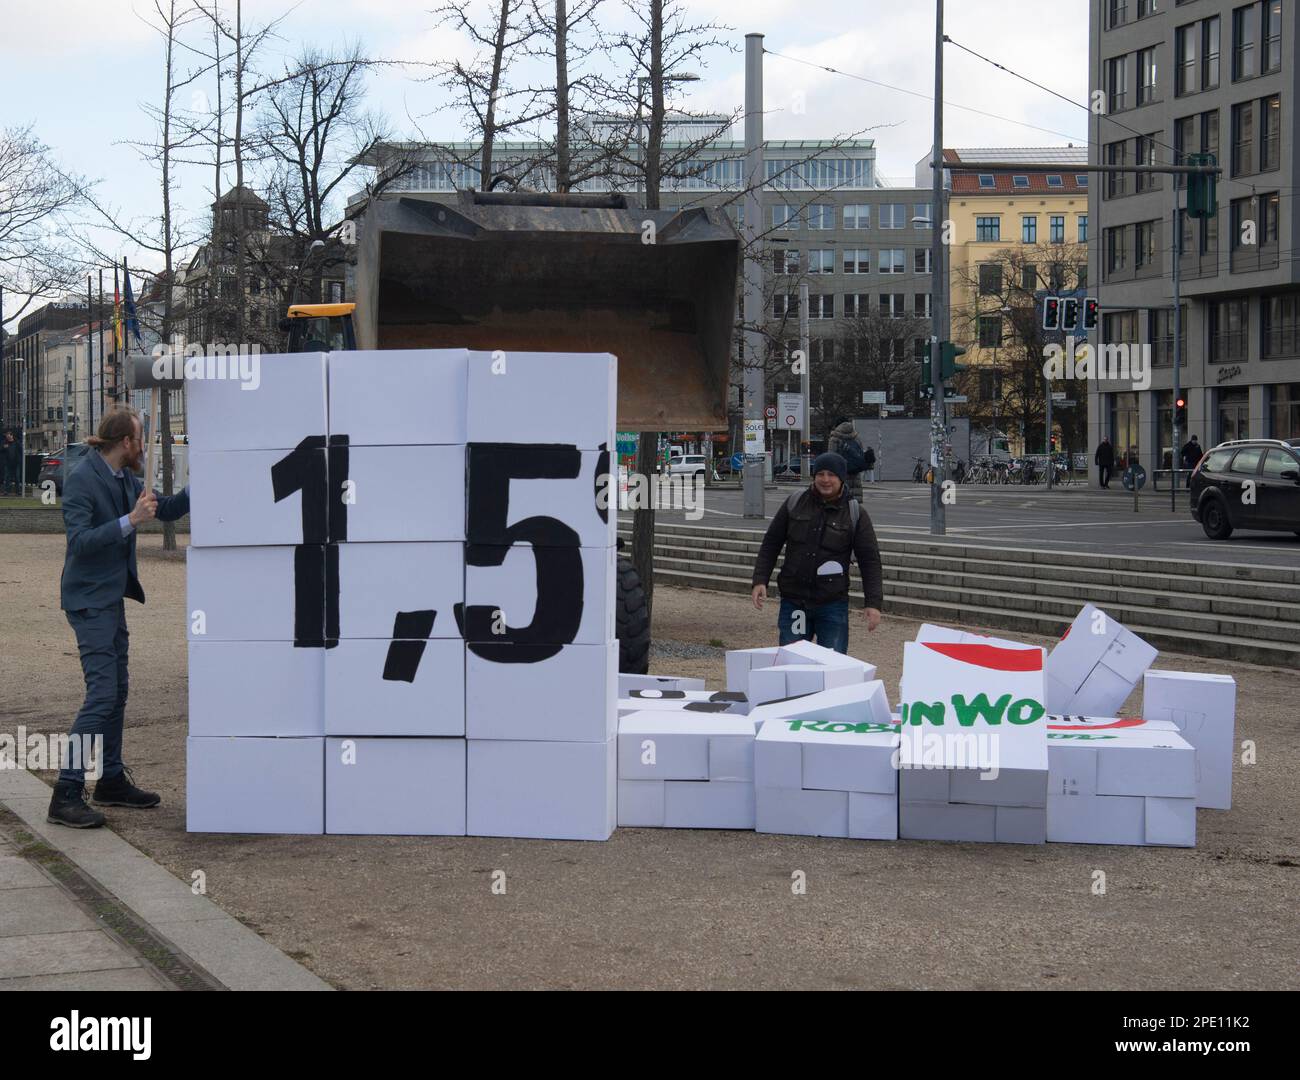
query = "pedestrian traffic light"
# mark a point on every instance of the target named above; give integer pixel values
(1051, 313)
(1202, 188)
(1180, 412)
(948, 364)
(1070, 313)
(1091, 310)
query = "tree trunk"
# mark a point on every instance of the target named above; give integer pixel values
(561, 96)
(239, 173)
(490, 115)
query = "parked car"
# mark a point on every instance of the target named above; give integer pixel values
(1247, 484)
(688, 465)
(59, 464)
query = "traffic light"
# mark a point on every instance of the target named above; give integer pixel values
(948, 363)
(927, 372)
(1051, 313)
(1070, 313)
(1202, 188)
(1180, 413)
(1091, 311)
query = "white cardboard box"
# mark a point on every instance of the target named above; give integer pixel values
(512, 587)
(681, 746)
(254, 785)
(1135, 761)
(568, 697)
(807, 652)
(575, 500)
(687, 701)
(1204, 709)
(801, 813)
(376, 581)
(242, 594)
(232, 500)
(256, 688)
(286, 404)
(793, 680)
(551, 790)
(567, 398)
(397, 397)
(627, 683)
(1095, 666)
(686, 804)
(1121, 819)
(404, 493)
(406, 787)
(359, 700)
(740, 662)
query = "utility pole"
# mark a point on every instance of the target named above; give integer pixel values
(938, 297)
(805, 387)
(1174, 455)
(753, 382)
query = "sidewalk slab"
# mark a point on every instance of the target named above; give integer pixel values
(53, 954)
(136, 978)
(44, 910)
(229, 951)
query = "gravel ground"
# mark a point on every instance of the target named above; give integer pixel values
(664, 908)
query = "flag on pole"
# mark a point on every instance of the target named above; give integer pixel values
(132, 323)
(117, 314)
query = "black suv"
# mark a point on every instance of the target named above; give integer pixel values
(1247, 484)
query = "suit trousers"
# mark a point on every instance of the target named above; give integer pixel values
(102, 640)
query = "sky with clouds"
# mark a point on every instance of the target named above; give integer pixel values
(79, 72)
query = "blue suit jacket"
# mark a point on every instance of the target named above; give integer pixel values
(99, 568)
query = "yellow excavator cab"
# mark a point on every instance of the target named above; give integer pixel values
(320, 327)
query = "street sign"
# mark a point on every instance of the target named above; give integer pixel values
(894, 408)
(1059, 395)
(1065, 404)
(1134, 475)
(873, 397)
(771, 423)
(789, 411)
(626, 442)
(770, 412)
(956, 399)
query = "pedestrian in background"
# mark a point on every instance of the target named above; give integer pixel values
(1191, 453)
(821, 529)
(1105, 460)
(12, 464)
(844, 441)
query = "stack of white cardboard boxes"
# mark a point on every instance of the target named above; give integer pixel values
(401, 589)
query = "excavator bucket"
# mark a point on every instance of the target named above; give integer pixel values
(562, 273)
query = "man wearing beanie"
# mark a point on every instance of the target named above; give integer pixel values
(821, 529)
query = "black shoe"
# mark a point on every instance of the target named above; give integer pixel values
(68, 807)
(119, 791)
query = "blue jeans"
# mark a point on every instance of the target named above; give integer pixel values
(829, 623)
(102, 641)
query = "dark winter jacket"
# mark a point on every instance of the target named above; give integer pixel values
(814, 533)
(1105, 455)
(1191, 454)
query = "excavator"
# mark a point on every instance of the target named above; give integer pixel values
(552, 273)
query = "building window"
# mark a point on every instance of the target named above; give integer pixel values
(1161, 329)
(1210, 53)
(1244, 30)
(1280, 325)
(1117, 183)
(990, 331)
(785, 306)
(1083, 228)
(1234, 423)
(1146, 155)
(1243, 138)
(1270, 133)
(894, 305)
(1117, 13)
(1184, 139)
(893, 215)
(988, 229)
(1272, 37)
(1029, 228)
(1185, 59)
(1056, 228)
(1081, 276)
(1124, 431)
(857, 305)
(1029, 277)
(1144, 245)
(921, 304)
(1147, 76)
(1081, 179)
(921, 260)
(1117, 84)
(857, 261)
(987, 181)
(785, 262)
(1020, 181)
(785, 217)
(990, 279)
(1053, 180)
(1117, 249)
(821, 306)
(821, 216)
(893, 261)
(1228, 324)
(921, 215)
(857, 216)
(1284, 421)
(1270, 205)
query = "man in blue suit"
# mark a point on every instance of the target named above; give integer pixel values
(103, 505)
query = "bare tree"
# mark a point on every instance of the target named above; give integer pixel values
(480, 83)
